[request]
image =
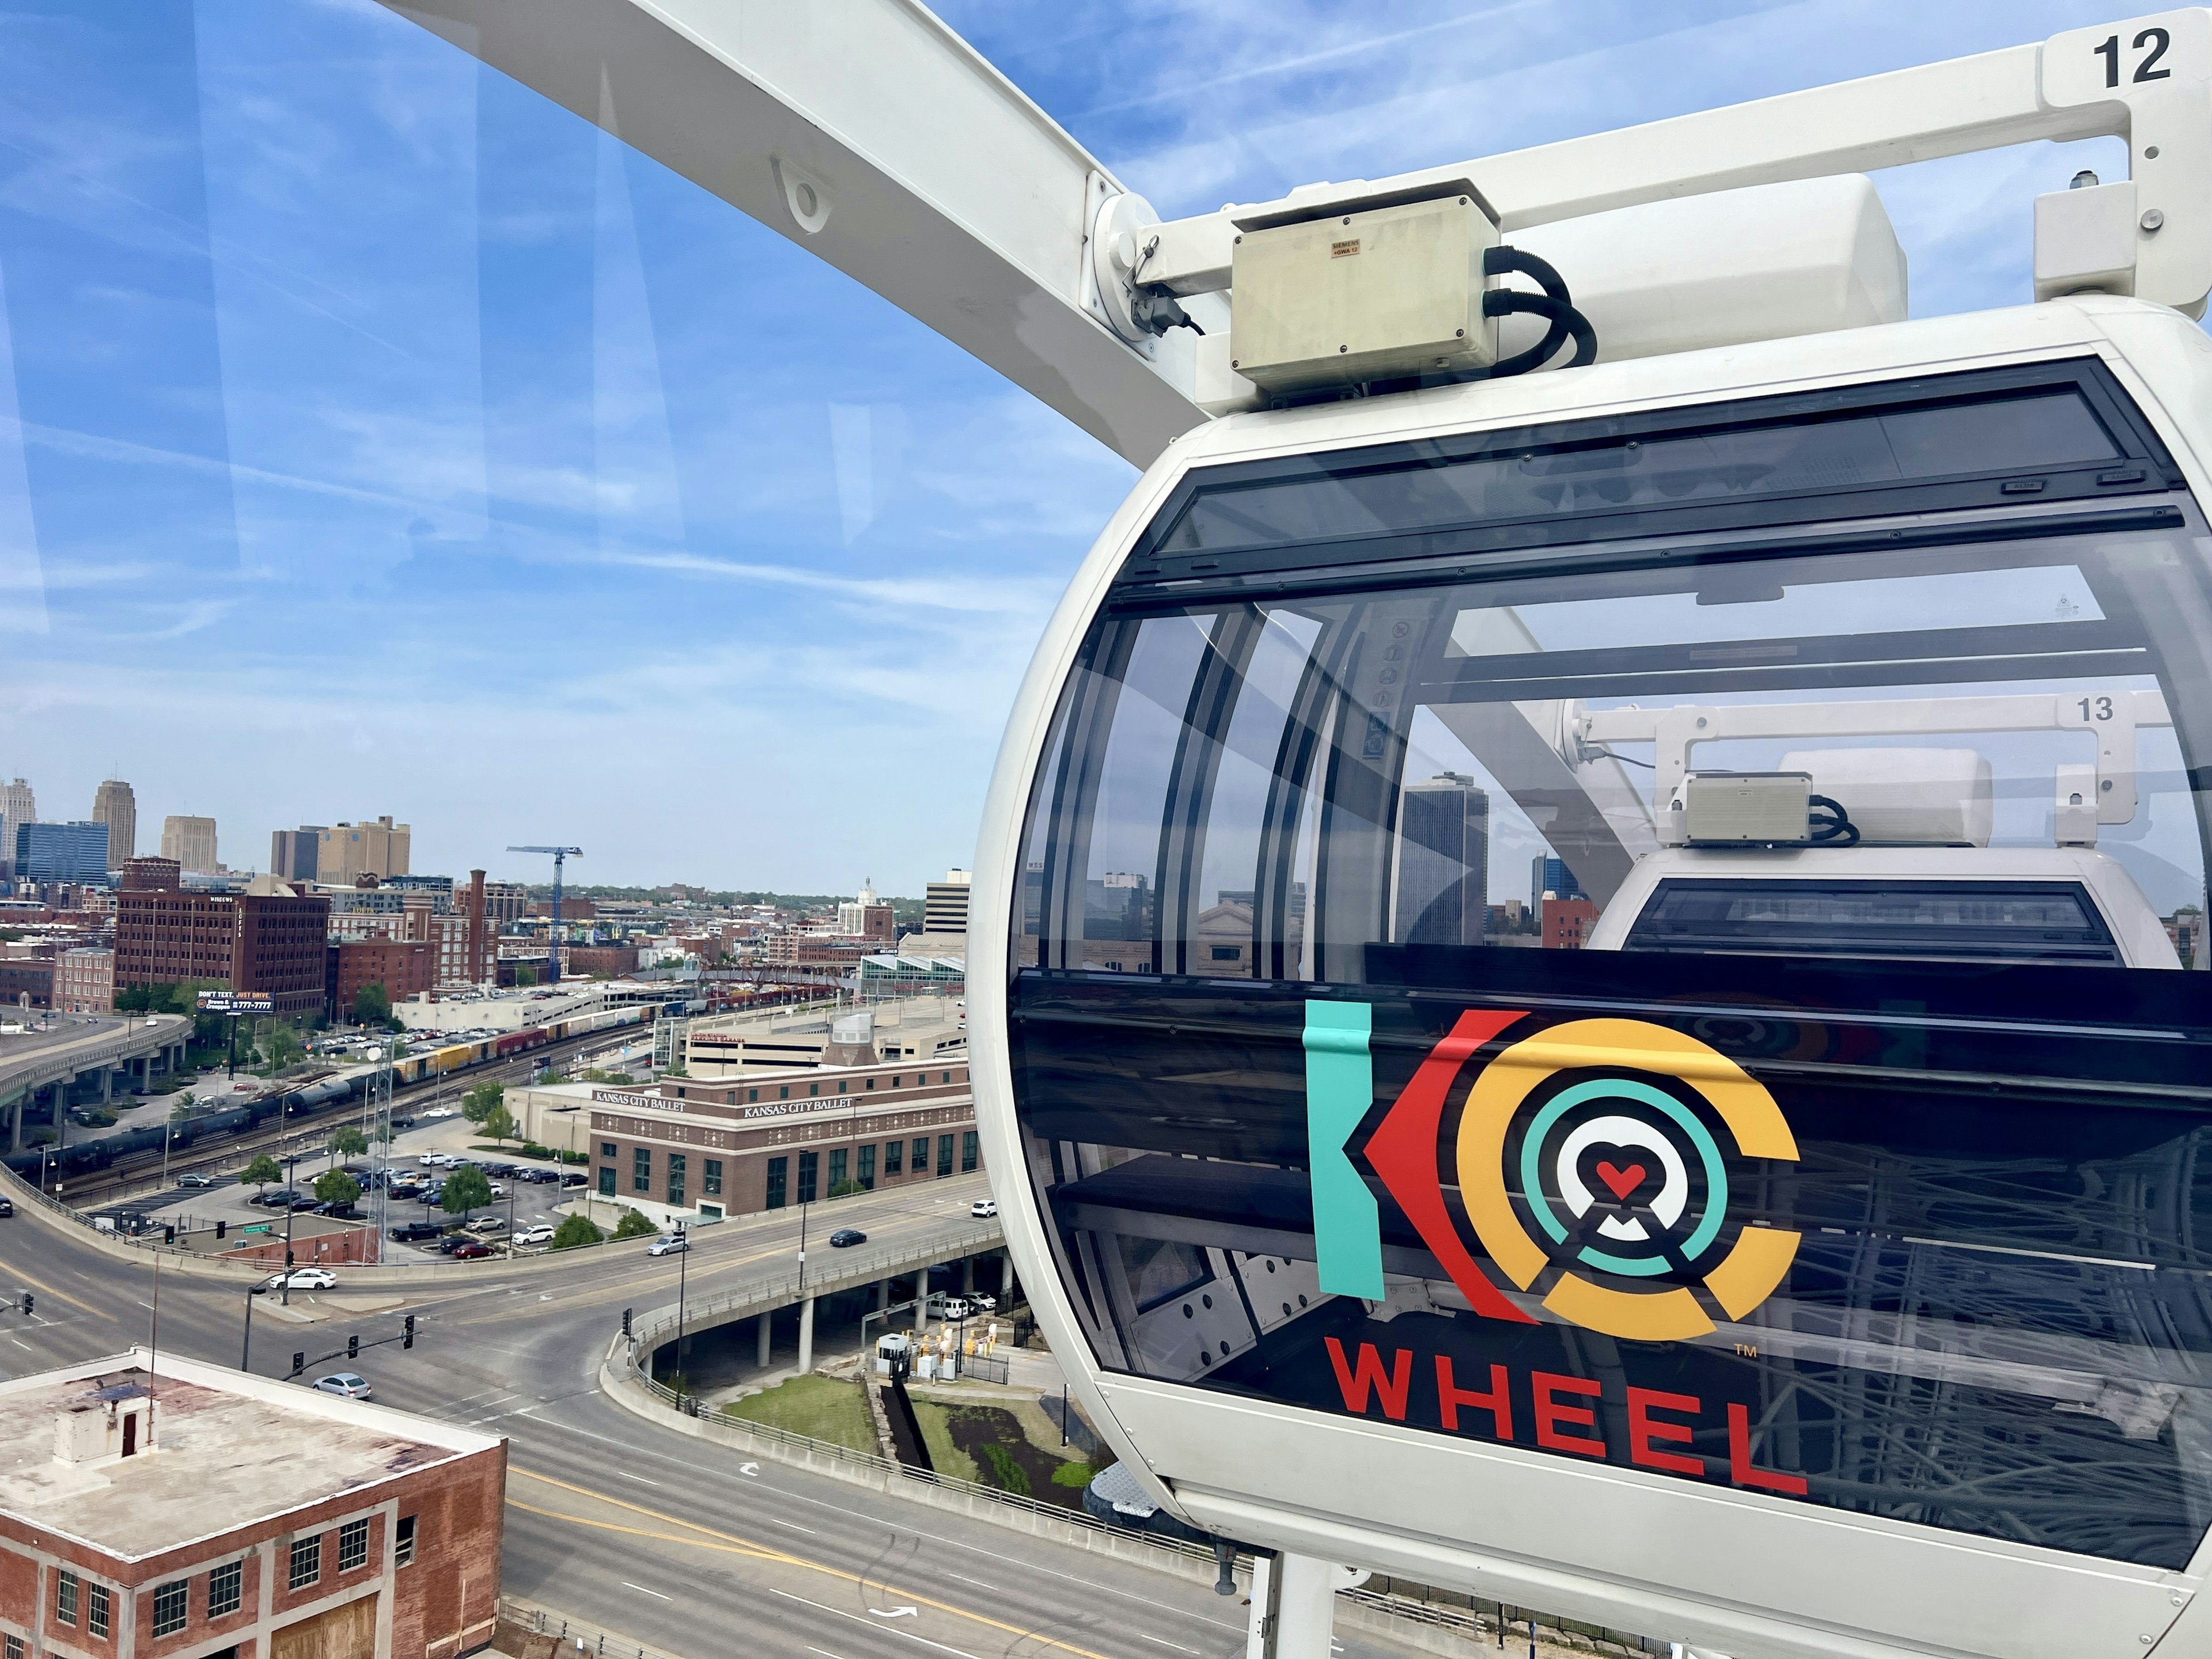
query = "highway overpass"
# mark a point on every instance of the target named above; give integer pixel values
(38, 1069)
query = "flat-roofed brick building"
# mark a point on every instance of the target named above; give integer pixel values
(382, 1542)
(270, 944)
(777, 1138)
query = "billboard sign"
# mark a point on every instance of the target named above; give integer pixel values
(235, 1002)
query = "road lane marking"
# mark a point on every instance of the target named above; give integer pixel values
(1164, 1642)
(977, 1583)
(896, 1526)
(641, 1591)
(41, 1283)
(962, 1653)
(639, 1478)
(732, 1544)
(825, 1653)
(794, 1525)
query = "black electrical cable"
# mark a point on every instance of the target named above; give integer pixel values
(1839, 829)
(1555, 304)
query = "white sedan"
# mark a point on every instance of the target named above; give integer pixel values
(306, 1279)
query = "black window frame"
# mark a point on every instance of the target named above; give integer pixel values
(225, 1589)
(641, 1169)
(809, 1170)
(353, 1544)
(778, 1184)
(894, 1157)
(304, 1564)
(173, 1606)
(711, 1180)
(402, 1542)
(971, 1151)
(98, 1611)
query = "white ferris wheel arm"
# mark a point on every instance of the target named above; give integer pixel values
(2148, 80)
(875, 138)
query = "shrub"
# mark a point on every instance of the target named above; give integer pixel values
(1007, 1473)
(634, 1226)
(1073, 1475)
(336, 1187)
(576, 1231)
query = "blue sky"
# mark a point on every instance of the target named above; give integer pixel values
(375, 437)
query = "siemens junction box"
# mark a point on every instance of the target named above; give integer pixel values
(1747, 808)
(1350, 297)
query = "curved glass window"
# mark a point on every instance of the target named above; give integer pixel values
(1742, 987)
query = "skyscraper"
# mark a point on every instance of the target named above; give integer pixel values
(61, 852)
(1549, 875)
(115, 805)
(1444, 862)
(346, 852)
(17, 806)
(191, 842)
(293, 853)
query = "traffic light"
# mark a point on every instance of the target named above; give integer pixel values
(220, 1227)
(28, 1302)
(625, 1322)
(353, 1347)
(168, 1232)
(408, 1339)
(299, 1361)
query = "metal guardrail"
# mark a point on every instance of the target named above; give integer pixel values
(585, 1638)
(845, 1272)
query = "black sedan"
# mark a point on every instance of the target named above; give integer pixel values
(845, 1237)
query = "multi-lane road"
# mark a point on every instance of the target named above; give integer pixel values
(681, 1544)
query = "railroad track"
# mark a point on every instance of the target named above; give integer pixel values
(141, 1172)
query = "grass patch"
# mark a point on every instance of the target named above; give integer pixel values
(1078, 1475)
(945, 1457)
(1005, 1474)
(820, 1406)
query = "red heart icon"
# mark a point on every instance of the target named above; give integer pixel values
(1622, 1181)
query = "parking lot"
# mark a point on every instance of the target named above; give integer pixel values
(518, 1203)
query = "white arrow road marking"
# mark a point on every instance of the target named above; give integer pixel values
(839, 1613)
(896, 1612)
(749, 1469)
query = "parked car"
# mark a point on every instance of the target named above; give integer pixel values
(543, 1177)
(473, 1250)
(194, 1178)
(402, 1122)
(571, 1179)
(985, 1303)
(489, 1224)
(453, 1241)
(845, 1237)
(668, 1244)
(437, 1112)
(983, 1208)
(306, 1279)
(340, 1212)
(306, 1201)
(276, 1197)
(350, 1384)
(406, 1190)
(504, 1170)
(409, 1232)
(499, 1189)
(958, 1308)
(540, 1233)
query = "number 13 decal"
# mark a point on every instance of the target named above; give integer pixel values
(2152, 42)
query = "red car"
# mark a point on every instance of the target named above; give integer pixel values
(473, 1251)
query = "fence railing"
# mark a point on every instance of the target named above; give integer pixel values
(573, 1633)
(1471, 1616)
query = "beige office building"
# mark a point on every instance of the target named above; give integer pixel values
(189, 841)
(114, 805)
(346, 852)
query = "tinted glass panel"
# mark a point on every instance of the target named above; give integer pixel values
(1889, 446)
(1966, 920)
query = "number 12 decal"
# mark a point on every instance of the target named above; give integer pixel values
(2157, 39)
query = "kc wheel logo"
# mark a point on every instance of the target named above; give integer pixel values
(1592, 1160)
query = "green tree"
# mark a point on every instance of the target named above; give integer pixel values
(347, 1141)
(336, 1187)
(479, 1102)
(282, 1044)
(575, 1231)
(263, 1170)
(634, 1226)
(524, 975)
(467, 1189)
(371, 1005)
(181, 1111)
(499, 1124)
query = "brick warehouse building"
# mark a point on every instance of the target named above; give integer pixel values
(384, 1544)
(783, 1138)
(271, 943)
(402, 968)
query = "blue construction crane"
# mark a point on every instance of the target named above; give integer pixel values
(553, 933)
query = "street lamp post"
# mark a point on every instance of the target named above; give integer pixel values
(683, 1270)
(291, 1209)
(245, 1350)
